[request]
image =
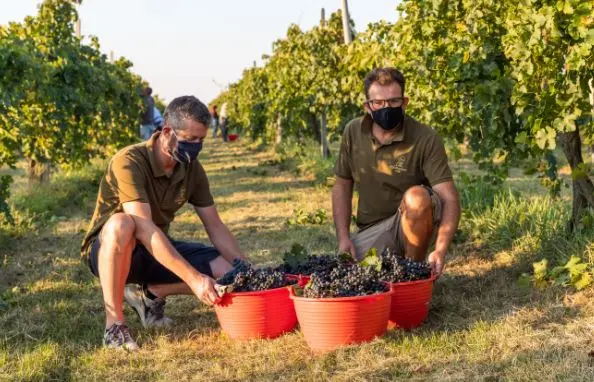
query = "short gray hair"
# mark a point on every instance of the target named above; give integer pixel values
(186, 107)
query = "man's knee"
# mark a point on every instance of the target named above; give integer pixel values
(416, 202)
(119, 229)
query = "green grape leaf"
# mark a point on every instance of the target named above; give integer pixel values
(296, 256)
(372, 260)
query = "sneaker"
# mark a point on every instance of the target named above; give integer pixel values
(117, 336)
(150, 311)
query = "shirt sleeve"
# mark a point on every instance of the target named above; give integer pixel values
(128, 179)
(342, 168)
(200, 192)
(435, 164)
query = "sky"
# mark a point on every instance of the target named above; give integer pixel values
(197, 47)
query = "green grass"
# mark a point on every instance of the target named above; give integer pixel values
(304, 159)
(482, 326)
(69, 193)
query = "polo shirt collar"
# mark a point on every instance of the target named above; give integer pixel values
(367, 125)
(179, 171)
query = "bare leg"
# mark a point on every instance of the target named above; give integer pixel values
(218, 266)
(117, 243)
(416, 222)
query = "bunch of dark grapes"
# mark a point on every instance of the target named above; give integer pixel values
(239, 266)
(315, 264)
(397, 268)
(344, 280)
(244, 278)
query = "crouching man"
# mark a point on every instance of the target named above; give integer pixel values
(127, 242)
(406, 193)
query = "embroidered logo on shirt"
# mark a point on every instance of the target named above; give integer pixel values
(181, 198)
(398, 162)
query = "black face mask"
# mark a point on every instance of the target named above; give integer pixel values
(186, 152)
(389, 118)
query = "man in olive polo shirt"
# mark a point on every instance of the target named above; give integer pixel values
(406, 192)
(127, 242)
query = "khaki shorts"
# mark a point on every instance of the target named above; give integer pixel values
(388, 234)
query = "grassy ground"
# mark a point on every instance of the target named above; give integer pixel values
(482, 324)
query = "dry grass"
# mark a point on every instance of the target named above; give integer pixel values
(481, 326)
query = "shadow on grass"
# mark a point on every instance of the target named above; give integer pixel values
(459, 302)
(222, 186)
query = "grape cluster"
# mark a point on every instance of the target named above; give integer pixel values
(244, 278)
(239, 266)
(397, 268)
(344, 280)
(314, 264)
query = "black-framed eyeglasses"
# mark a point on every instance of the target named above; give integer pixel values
(381, 103)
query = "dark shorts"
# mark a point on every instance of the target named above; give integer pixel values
(145, 269)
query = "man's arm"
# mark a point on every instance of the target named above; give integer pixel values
(450, 217)
(342, 196)
(155, 241)
(219, 234)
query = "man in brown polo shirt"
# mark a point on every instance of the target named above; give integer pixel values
(127, 242)
(406, 192)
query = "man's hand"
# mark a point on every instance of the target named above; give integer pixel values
(204, 289)
(436, 260)
(346, 245)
